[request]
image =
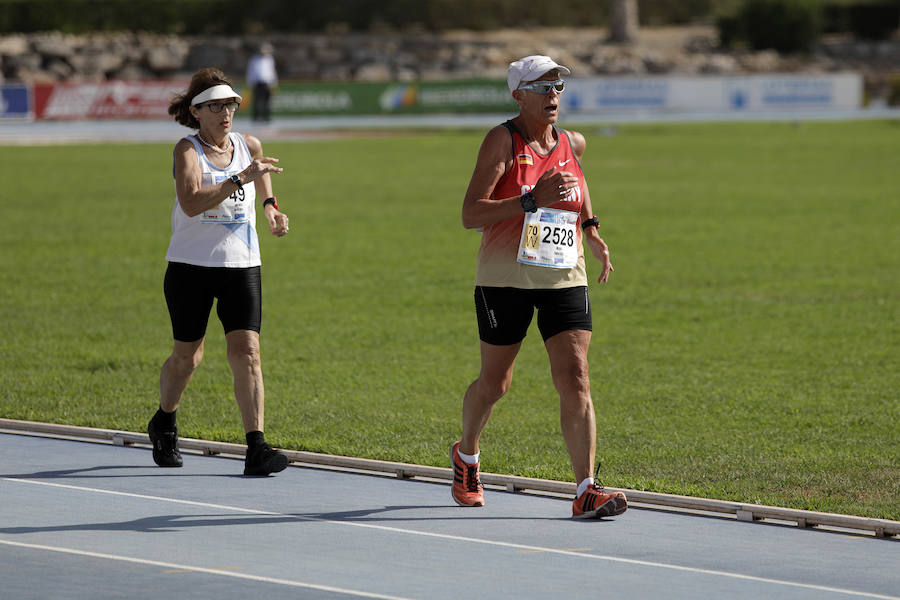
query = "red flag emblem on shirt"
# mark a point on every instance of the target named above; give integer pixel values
(525, 159)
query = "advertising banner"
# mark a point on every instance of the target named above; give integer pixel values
(464, 96)
(15, 102)
(105, 100)
(763, 93)
(621, 95)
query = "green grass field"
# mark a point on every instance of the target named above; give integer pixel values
(746, 348)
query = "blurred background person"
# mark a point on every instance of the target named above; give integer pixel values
(262, 78)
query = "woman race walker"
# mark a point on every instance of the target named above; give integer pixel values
(214, 254)
(529, 196)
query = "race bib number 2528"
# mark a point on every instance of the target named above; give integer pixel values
(549, 239)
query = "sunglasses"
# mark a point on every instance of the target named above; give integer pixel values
(544, 87)
(216, 107)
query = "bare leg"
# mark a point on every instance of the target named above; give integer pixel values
(177, 372)
(492, 383)
(569, 367)
(244, 359)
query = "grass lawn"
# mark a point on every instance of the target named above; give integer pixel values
(746, 348)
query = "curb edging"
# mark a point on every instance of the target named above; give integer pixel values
(880, 528)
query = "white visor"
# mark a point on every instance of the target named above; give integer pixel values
(216, 92)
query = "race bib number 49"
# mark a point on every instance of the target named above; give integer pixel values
(232, 209)
(549, 239)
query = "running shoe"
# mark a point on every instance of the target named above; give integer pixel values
(165, 446)
(263, 459)
(467, 489)
(595, 503)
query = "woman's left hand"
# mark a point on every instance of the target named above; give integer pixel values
(601, 251)
(278, 221)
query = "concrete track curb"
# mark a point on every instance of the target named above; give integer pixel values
(880, 528)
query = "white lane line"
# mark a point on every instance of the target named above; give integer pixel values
(525, 547)
(190, 568)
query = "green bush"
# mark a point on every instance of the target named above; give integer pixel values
(893, 98)
(232, 16)
(874, 21)
(865, 19)
(783, 25)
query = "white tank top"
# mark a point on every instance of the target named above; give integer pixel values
(224, 236)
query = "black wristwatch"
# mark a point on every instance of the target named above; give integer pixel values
(592, 222)
(236, 180)
(528, 203)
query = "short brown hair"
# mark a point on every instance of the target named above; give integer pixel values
(180, 106)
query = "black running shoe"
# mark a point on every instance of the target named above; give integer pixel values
(165, 446)
(264, 459)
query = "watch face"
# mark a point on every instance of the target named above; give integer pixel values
(528, 202)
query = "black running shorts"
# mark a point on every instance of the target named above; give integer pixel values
(190, 291)
(505, 313)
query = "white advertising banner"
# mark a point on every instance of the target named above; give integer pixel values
(751, 93)
(106, 100)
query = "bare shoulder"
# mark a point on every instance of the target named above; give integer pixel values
(497, 145)
(184, 149)
(253, 144)
(497, 135)
(578, 143)
(183, 145)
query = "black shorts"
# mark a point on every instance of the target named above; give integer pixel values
(190, 291)
(504, 313)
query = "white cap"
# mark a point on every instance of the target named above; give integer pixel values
(216, 92)
(531, 68)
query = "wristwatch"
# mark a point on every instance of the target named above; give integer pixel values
(592, 222)
(528, 203)
(236, 180)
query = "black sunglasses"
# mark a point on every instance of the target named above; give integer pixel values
(216, 107)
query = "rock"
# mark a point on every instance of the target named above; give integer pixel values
(342, 55)
(53, 45)
(164, 60)
(32, 76)
(373, 72)
(59, 68)
(13, 45)
(129, 72)
(759, 62)
(701, 44)
(656, 62)
(336, 72)
(719, 64)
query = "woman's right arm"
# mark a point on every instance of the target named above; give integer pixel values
(479, 209)
(494, 158)
(193, 196)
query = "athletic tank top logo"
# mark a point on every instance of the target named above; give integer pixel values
(574, 194)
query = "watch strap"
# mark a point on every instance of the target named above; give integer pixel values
(592, 222)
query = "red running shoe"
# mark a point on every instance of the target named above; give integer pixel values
(595, 503)
(467, 489)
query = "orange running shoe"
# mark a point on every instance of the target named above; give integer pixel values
(467, 489)
(595, 503)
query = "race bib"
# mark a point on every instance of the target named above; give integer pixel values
(231, 210)
(549, 239)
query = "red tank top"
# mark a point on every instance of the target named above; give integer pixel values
(497, 264)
